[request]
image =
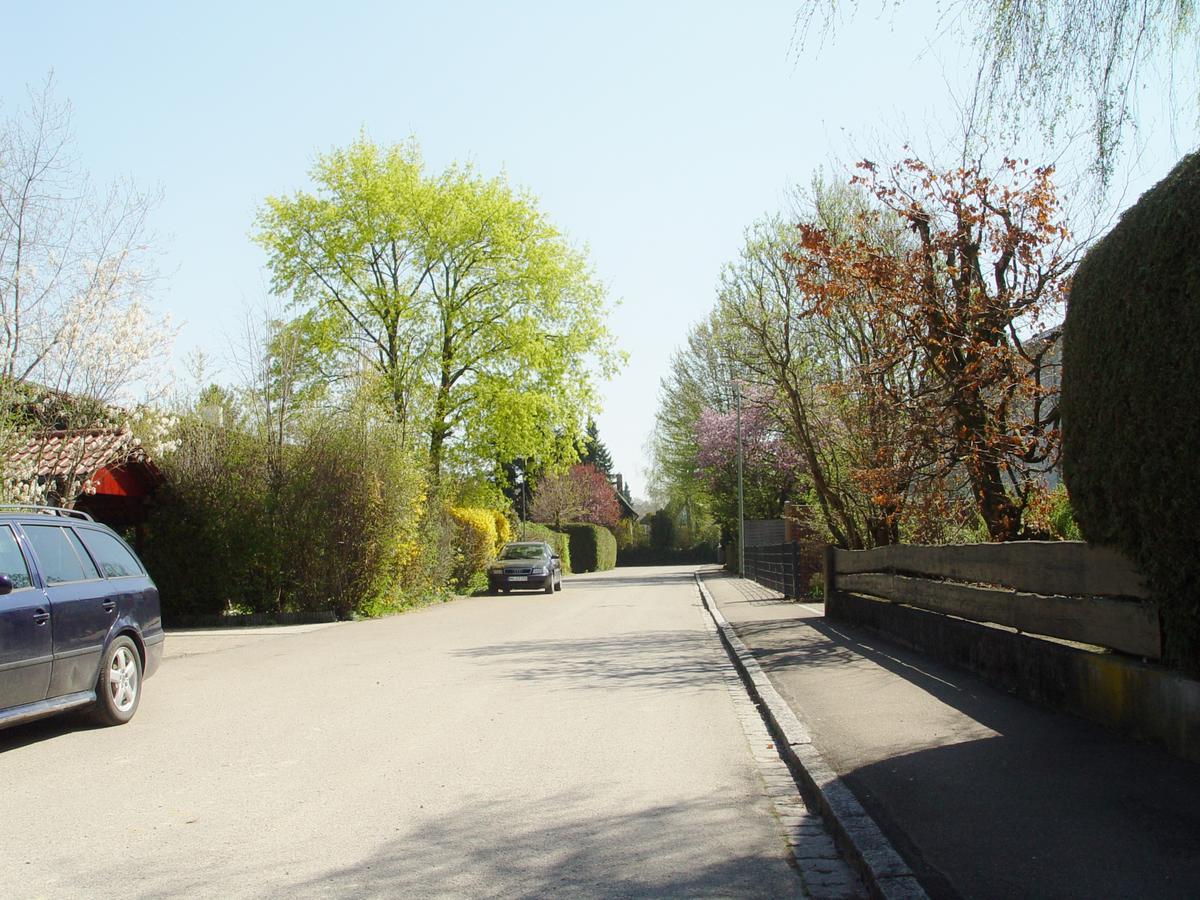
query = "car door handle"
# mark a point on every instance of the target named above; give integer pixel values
(40, 616)
(109, 605)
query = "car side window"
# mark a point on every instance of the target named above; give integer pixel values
(115, 559)
(12, 562)
(89, 567)
(56, 557)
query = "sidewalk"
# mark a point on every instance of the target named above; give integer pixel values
(983, 794)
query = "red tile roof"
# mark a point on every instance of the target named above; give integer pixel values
(79, 453)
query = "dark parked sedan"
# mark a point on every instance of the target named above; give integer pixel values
(79, 618)
(526, 564)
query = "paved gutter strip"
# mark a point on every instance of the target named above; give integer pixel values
(824, 872)
(884, 872)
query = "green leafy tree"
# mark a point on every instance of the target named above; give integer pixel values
(485, 324)
(698, 379)
(797, 374)
(515, 479)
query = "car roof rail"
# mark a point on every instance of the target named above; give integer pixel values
(46, 510)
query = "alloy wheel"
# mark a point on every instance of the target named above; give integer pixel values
(123, 679)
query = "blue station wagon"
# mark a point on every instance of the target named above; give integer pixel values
(80, 624)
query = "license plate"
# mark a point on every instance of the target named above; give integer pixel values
(518, 577)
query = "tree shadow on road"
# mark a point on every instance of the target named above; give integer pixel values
(750, 592)
(774, 644)
(630, 577)
(647, 660)
(560, 846)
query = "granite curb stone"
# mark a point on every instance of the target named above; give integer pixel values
(868, 850)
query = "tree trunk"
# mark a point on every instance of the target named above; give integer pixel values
(440, 429)
(1001, 516)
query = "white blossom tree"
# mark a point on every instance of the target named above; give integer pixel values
(79, 342)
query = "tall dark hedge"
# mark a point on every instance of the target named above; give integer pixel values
(662, 530)
(1131, 398)
(593, 547)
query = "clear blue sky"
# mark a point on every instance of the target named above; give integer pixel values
(652, 133)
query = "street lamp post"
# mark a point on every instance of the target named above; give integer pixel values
(737, 400)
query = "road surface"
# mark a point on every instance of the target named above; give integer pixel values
(524, 745)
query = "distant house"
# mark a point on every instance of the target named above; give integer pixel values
(115, 476)
(626, 505)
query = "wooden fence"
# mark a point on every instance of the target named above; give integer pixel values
(1061, 589)
(786, 568)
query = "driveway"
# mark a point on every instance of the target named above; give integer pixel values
(522, 745)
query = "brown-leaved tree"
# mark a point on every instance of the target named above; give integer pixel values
(955, 309)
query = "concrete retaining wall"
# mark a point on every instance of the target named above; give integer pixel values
(1140, 699)
(253, 619)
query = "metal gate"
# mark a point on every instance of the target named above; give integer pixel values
(787, 568)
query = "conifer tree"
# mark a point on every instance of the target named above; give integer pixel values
(595, 453)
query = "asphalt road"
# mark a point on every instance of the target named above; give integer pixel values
(582, 744)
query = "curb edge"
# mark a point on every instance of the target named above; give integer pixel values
(884, 872)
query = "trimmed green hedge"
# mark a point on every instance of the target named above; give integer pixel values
(653, 556)
(593, 547)
(556, 539)
(1131, 423)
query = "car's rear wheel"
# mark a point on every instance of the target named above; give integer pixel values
(119, 687)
